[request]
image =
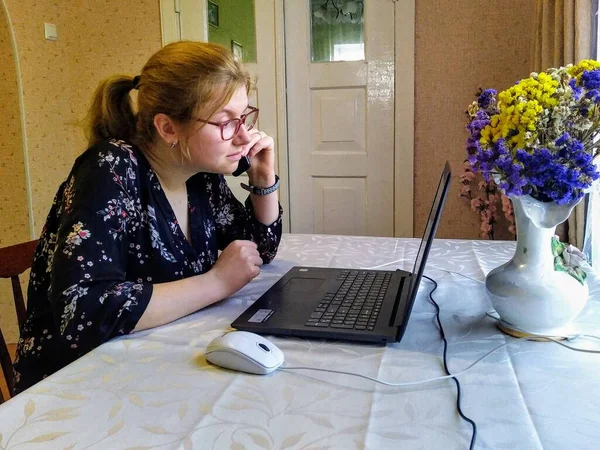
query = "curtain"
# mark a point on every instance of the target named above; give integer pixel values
(591, 246)
(563, 35)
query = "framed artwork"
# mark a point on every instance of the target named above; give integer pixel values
(237, 49)
(213, 14)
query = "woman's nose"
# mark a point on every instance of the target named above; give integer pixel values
(242, 137)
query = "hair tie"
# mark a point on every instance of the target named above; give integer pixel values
(136, 82)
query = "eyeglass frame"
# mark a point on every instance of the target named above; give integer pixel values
(241, 121)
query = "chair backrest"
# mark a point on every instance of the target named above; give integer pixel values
(14, 260)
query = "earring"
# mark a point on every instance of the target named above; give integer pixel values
(173, 144)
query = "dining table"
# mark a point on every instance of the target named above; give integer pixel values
(155, 389)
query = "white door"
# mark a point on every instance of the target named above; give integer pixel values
(340, 119)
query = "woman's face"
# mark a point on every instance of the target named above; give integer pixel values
(208, 151)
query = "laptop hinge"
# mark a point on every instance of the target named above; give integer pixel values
(399, 310)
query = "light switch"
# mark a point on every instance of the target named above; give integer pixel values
(50, 32)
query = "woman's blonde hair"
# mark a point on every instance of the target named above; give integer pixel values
(180, 80)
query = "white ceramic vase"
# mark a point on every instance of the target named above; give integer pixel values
(527, 292)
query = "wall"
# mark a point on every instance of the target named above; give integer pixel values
(14, 216)
(14, 212)
(236, 21)
(460, 46)
(95, 39)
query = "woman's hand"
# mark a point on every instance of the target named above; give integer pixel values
(237, 265)
(262, 155)
(262, 175)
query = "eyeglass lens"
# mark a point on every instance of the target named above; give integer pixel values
(233, 126)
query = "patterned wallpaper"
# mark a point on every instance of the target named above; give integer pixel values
(14, 212)
(460, 46)
(95, 39)
(14, 215)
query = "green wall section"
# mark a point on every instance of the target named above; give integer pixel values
(236, 22)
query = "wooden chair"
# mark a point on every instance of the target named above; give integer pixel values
(14, 260)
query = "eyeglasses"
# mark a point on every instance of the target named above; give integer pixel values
(230, 128)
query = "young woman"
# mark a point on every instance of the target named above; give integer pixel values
(132, 239)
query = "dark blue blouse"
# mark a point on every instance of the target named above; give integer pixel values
(110, 235)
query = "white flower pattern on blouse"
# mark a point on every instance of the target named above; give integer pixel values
(72, 293)
(111, 234)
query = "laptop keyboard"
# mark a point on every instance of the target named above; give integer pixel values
(355, 305)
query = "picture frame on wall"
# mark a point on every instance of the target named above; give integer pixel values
(213, 14)
(238, 50)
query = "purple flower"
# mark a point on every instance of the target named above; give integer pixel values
(559, 171)
(476, 126)
(486, 98)
(562, 140)
(590, 79)
(593, 95)
(576, 89)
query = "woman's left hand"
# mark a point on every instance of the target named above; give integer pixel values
(262, 159)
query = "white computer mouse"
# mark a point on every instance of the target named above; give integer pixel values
(244, 352)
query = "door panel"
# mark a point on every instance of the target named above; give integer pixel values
(341, 128)
(340, 205)
(339, 120)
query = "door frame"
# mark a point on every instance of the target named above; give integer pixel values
(174, 27)
(404, 136)
(404, 142)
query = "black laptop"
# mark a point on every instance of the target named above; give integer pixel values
(344, 304)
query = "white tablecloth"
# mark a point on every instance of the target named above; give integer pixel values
(154, 389)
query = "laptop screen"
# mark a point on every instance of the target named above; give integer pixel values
(425, 246)
(432, 222)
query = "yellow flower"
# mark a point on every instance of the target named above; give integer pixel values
(520, 106)
(587, 64)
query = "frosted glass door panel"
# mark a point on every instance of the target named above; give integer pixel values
(337, 30)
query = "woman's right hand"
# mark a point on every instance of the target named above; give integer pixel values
(237, 265)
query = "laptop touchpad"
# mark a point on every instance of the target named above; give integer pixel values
(303, 285)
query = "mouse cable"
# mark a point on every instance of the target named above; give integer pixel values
(405, 384)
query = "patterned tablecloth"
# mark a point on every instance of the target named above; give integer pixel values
(154, 389)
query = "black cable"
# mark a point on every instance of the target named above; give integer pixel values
(443, 335)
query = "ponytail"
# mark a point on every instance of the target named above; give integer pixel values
(111, 113)
(182, 80)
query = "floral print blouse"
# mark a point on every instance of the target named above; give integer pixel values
(110, 235)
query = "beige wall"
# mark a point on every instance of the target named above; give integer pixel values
(95, 39)
(459, 47)
(14, 211)
(14, 216)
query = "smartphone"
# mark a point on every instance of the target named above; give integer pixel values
(243, 165)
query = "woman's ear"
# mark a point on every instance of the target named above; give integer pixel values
(167, 129)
